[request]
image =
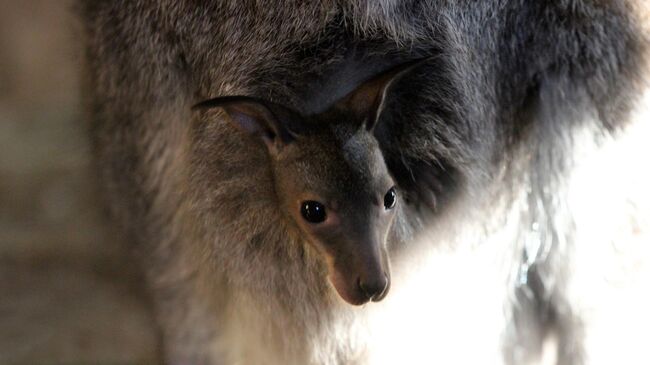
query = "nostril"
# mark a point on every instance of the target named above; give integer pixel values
(373, 289)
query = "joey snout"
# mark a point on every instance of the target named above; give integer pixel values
(352, 239)
(358, 269)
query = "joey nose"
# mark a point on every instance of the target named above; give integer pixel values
(374, 289)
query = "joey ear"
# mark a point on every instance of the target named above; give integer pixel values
(267, 120)
(368, 100)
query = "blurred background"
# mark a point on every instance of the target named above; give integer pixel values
(65, 294)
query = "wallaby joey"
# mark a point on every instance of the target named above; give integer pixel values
(331, 180)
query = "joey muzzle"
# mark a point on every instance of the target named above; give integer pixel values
(360, 272)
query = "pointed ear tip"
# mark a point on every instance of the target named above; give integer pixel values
(208, 104)
(198, 106)
(224, 102)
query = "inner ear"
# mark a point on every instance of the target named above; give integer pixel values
(367, 101)
(269, 121)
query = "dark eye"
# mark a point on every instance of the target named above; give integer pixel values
(390, 199)
(313, 211)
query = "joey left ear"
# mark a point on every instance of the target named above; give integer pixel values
(368, 100)
(267, 120)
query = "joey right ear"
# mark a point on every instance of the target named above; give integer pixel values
(366, 102)
(267, 120)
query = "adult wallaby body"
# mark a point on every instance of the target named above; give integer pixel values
(335, 135)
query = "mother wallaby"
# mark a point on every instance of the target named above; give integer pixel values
(276, 162)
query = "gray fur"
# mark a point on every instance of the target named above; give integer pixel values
(508, 78)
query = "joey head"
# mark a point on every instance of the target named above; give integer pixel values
(331, 180)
